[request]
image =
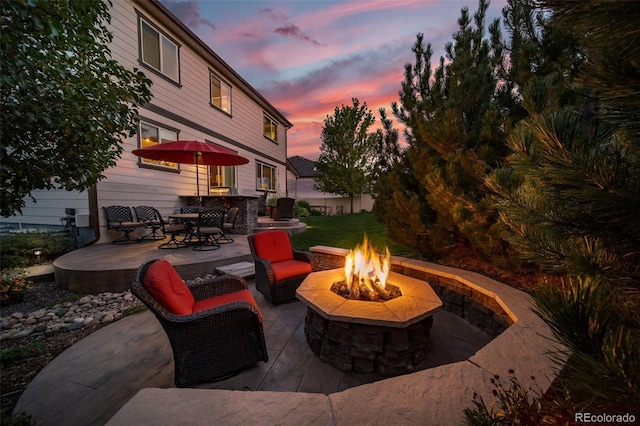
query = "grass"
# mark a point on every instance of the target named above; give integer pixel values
(346, 231)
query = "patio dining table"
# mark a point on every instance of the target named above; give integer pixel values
(190, 220)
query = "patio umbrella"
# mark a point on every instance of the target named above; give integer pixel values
(192, 152)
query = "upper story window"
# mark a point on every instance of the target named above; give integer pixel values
(220, 94)
(153, 135)
(158, 51)
(270, 129)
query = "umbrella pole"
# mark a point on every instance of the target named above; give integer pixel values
(198, 182)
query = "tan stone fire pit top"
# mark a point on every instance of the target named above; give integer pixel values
(417, 302)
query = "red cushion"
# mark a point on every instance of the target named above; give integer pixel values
(273, 246)
(236, 296)
(165, 285)
(289, 269)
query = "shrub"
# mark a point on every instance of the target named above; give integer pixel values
(17, 249)
(19, 353)
(517, 405)
(301, 209)
(13, 286)
(303, 204)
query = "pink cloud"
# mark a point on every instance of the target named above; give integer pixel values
(189, 13)
(295, 32)
(306, 58)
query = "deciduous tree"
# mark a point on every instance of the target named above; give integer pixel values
(347, 154)
(65, 104)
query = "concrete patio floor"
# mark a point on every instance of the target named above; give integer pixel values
(92, 380)
(123, 373)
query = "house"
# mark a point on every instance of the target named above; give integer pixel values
(196, 96)
(301, 174)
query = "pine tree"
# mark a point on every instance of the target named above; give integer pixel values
(456, 135)
(571, 196)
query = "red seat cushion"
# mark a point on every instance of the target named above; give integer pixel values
(289, 269)
(273, 246)
(165, 285)
(236, 296)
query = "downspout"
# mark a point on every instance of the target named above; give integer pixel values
(94, 219)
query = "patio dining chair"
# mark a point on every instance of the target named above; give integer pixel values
(229, 225)
(173, 229)
(120, 218)
(214, 326)
(262, 205)
(209, 229)
(189, 209)
(151, 218)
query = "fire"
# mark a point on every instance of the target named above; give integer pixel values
(367, 267)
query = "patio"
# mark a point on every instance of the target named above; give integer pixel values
(109, 267)
(123, 373)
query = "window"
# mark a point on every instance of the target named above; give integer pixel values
(220, 94)
(265, 177)
(222, 176)
(158, 51)
(152, 135)
(270, 129)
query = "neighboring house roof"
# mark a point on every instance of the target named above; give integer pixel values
(301, 167)
(203, 48)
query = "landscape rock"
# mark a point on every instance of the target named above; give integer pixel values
(88, 311)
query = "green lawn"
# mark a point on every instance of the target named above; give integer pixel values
(345, 231)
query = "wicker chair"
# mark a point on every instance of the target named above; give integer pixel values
(120, 218)
(283, 209)
(211, 344)
(279, 268)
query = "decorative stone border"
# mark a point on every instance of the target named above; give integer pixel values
(436, 396)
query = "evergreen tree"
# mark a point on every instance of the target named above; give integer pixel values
(456, 135)
(399, 197)
(347, 154)
(571, 201)
(571, 196)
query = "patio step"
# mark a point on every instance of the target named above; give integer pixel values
(292, 226)
(242, 269)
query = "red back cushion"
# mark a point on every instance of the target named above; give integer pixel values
(224, 299)
(273, 246)
(165, 285)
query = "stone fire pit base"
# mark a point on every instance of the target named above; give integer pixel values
(364, 348)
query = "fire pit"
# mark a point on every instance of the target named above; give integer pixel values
(388, 338)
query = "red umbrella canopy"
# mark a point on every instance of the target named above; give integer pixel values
(191, 152)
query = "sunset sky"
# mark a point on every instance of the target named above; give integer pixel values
(309, 57)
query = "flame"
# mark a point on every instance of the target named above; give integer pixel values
(367, 266)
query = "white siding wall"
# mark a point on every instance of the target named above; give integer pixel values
(49, 208)
(178, 107)
(332, 203)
